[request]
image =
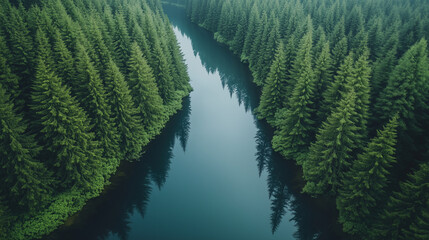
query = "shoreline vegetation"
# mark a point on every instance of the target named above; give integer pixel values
(346, 87)
(84, 85)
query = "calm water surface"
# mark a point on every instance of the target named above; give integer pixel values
(212, 173)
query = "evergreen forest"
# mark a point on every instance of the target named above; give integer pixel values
(345, 84)
(84, 84)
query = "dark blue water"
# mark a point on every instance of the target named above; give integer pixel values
(211, 174)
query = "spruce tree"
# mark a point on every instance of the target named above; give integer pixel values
(163, 76)
(64, 62)
(145, 92)
(93, 99)
(131, 133)
(274, 92)
(365, 185)
(406, 208)
(403, 90)
(8, 79)
(337, 88)
(24, 178)
(323, 76)
(63, 127)
(122, 42)
(297, 128)
(330, 155)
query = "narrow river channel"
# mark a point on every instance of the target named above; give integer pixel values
(211, 174)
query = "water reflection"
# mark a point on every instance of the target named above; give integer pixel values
(233, 76)
(131, 187)
(314, 219)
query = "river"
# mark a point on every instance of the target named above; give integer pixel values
(211, 174)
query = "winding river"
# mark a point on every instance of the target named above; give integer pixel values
(211, 174)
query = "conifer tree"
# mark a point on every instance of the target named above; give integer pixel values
(94, 102)
(267, 51)
(25, 179)
(64, 62)
(250, 34)
(44, 49)
(274, 92)
(122, 42)
(339, 53)
(163, 76)
(403, 90)
(406, 208)
(323, 76)
(8, 79)
(69, 146)
(336, 89)
(359, 83)
(238, 40)
(131, 134)
(365, 185)
(297, 128)
(145, 92)
(329, 158)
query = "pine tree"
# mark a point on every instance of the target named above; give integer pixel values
(339, 53)
(94, 101)
(330, 156)
(131, 134)
(163, 76)
(419, 229)
(122, 42)
(359, 82)
(402, 92)
(250, 33)
(297, 128)
(69, 147)
(323, 76)
(145, 92)
(336, 89)
(406, 208)
(365, 185)
(274, 91)
(8, 79)
(25, 178)
(64, 62)
(267, 53)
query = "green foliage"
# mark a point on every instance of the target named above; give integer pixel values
(145, 92)
(330, 156)
(25, 182)
(70, 148)
(274, 91)
(297, 129)
(406, 209)
(365, 185)
(131, 134)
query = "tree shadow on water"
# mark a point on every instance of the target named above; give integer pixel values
(130, 188)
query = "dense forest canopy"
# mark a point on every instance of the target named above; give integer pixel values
(346, 86)
(83, 85)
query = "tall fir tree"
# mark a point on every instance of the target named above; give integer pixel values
(145, 92)
(63, 127)
(330, 155)
(297, 128)
(365, 185)
(131, 133)
(274, 89)
(337, 88)
(94, 101)
(25, 179)
(406, 208)
(323, 75)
